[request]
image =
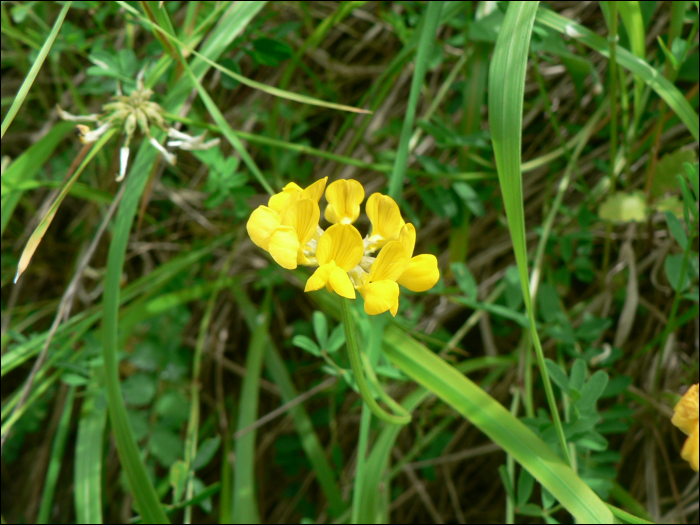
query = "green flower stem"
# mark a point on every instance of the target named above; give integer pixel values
(403, 416)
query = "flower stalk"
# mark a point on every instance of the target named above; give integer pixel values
(401, 416)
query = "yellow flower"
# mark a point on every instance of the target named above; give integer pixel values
(385, 216)
(422, 272)
(381, 292)
(313, 192)
(289, 224)
(344, 198)
(685, 417)
(339, 250)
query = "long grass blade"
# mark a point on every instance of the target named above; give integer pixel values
(40, 230)
(245, 505)
(34, 71)
(660, 84)
(25, 168)
(506, 90)
(427, 37)
(88, 459)
(59, 445)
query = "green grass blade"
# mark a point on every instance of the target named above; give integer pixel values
(631, 15)
(435, 374)
(302, 422)
(245, 505)
(88, 460)
(144, 493)
(39, 232)
(425, 44)
(26, 166)
(660, 84)
(34, 71)
(506, 90)
(240, 78)
(59, 445)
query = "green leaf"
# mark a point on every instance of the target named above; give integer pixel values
(624, 207)
(178, 478)
(320, 328)
(592, 390)
(578, 374)
(667, 168)
(206, 451)
(465, 280)
(336, 340)
(139, 389)
(525, 485)
(469, 197)
(307, 344)
(558, 376)
(271, 52)
(676, 228)
(674, 266)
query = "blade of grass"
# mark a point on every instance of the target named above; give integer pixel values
(34, 71)
(661, 85)
(230, 26)
(26, 166)
(240, 78)
(88, 458)
(506, 90)
(631, 15)
(425, 44)
(488, 415)
(245, 505)
(40, 230)
(144, 493)
(500, 425)
(59, 445)
(309, 440)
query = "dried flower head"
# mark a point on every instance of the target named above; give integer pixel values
(128, 112)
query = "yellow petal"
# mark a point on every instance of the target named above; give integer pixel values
(407, 237)
(422, 273)
(277, 200)
(341, 243)
(341, 284)
(315, 190)
(263, 221)
(685, 413)
(690, 449)
(380, 297)
(385, 216)
(390, 263)
(303, 216)
(319, 278)
(344, 198)
(284, 246)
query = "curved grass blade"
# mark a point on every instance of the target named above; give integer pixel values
(88, 459)
(488, 415)
(245, 505)
(663, 87)
(59, 445)
(25, 167)
(144, 493)
(506, 90)
(240, 78)
(435, 374)
(302, 422)
(34, 71)
(38, 234)
(631, 15)
(425, 44)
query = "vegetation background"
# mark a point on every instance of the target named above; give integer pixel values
(226, 385)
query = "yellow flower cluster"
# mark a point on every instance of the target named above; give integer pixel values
(288, 229)
(685, 417)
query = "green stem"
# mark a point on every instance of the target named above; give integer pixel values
(612, 40)
(403, 416)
